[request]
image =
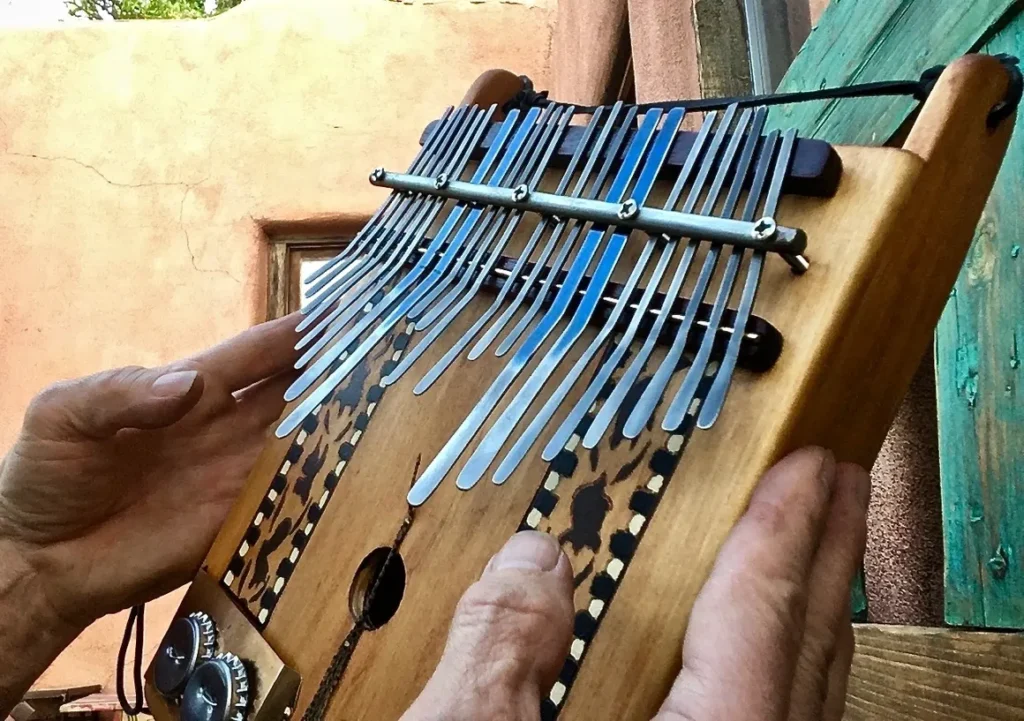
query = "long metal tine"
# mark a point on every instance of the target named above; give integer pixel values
(449, 357)
(427, 151)
(449, 454)
(323, 363)
(397, 203)
(532, 152)
(680, 404)
(611, 404)
(715, 399)
(563, 253)
(656, 386)
(428, 208)
(499, 432)
(477, 273)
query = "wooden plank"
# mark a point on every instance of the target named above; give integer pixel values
(903, 673)
(981, 410)
(723, 58)
(870, 40)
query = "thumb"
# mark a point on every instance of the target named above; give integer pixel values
(98, 406)
(508, 639)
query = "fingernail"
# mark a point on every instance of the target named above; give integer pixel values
(528, 551)
(827, 471)
(172, 385)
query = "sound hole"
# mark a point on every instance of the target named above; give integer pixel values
(377, 588)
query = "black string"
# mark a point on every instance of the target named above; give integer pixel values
(919, 89)
(136, 623)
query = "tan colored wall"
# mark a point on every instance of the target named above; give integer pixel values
(137, 158)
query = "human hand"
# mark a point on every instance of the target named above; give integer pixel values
(769, 637)
(118, 482)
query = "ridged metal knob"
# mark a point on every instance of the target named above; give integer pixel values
(217, 691)
(189, 641)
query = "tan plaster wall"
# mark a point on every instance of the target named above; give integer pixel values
(137, 158)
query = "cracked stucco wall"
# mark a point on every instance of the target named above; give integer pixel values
(136, 159)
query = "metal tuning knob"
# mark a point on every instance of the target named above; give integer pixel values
(189, 641)
(217, 691)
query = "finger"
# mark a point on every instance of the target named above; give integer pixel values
(839, 674)
(508, 639)
(263, 403)
(254, 354)
(100, 405)
(828, 606)
(747, 621)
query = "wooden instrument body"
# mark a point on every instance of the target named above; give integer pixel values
(641, 520)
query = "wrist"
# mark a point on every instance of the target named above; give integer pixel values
(32, 631)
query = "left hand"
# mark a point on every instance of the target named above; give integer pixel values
(119, 481)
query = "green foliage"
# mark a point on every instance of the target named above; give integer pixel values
(142, 9)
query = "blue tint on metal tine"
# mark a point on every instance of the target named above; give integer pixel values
(449, 357)
(551, 273)
(611, 405)
(680, 404)
(429, 207)
(477, 273)
(395, 205)
(426, 152)
(432, 476)
(715, 399)
(503, 427)
(656, 386)
(321, 365)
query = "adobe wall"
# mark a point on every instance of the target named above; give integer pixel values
(138, 157)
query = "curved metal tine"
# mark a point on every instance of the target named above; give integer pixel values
(680, 404)
(458, 155)
(321, 365)
(515, 411)
(521, 172)
(503, 427)
(449, 357)
(561, 258)
(449, 454)
(611, 405)
(715, 399)
(427, 155)
(477, 272)
(655, 390)
(391, 268)
(400, 294)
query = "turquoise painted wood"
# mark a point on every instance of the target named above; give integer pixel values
(980, 385)
(859, 41)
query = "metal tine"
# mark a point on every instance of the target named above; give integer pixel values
(428, 155)
(396, 257)
(426, 152)
(502, 428)
(340, 348)
(680, 404)
(431, 478)
(561, 258)
(522, 446)
(597, 383)
(715, 399)
(449, 357)
(477, 272)
(611, 405)
(428, 209)
(655, 390)
(494, 217)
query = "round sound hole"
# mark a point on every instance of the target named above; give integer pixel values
(377, 588)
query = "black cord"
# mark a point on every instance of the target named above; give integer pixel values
(136, 623)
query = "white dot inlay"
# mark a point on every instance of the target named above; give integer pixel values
(636, 524)
(595, 608)
(557, 694)
(271, 494)
(355, 437)
(259, 519)
(656, 483)
(243, 549)
(264, 615)
(285, 466)
(551, 482)
(576, 650)
(675, 443)
(615, 567)
(278, 585)
(228, 578)
(533, 518)
(301, 438)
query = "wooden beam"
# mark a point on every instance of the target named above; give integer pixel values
(868, 40)
(903, 673)
(980, 394)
